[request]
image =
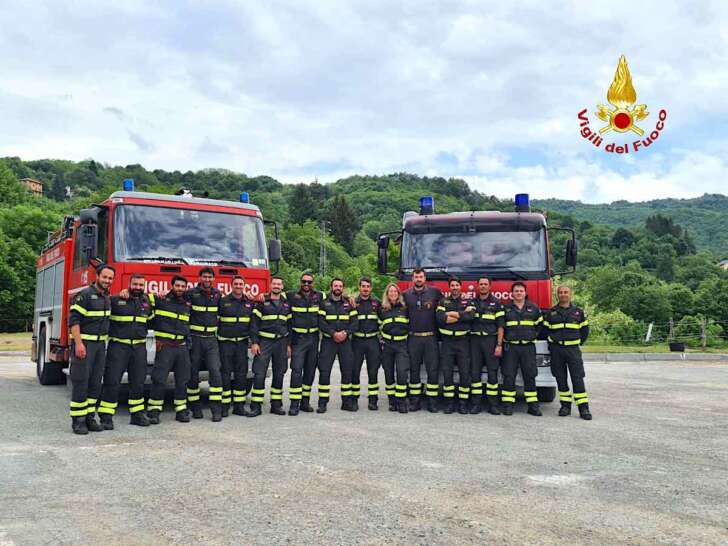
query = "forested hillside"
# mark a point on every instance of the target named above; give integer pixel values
(651, 270)
(706, 217)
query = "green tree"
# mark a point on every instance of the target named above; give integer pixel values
(12, 191)
(646, 303)
(301, 205)
(344, 223)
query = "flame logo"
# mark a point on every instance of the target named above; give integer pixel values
(622, 96)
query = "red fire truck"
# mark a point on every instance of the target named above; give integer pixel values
(157, 235)
(504, 246)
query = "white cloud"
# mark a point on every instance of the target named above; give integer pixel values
(484, 90)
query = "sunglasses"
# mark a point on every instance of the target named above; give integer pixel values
(306, 282)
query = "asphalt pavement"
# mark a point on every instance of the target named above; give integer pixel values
(652, 467)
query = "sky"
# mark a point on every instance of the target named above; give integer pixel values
(303, 90)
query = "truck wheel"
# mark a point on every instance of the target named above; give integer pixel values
(49, 373)
(546, 394)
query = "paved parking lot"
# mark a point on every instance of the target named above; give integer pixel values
(651, 467)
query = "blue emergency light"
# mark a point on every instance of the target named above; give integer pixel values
(522, 204)
(245, 197)
(427, 205)
(128, 184)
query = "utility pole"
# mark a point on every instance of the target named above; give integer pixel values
(704, 333)
(322, 250)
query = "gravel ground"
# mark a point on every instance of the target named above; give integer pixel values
(651, 468)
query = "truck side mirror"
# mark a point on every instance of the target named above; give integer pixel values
(571, 252)
(89, 216)
(89, 241)
(274, 250)
(382, 248)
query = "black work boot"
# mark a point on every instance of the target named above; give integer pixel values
(402, 405)
(216, 409)
(322, 405)
(140, 419)
(354, 403)
(107, 421)
(306, 404)
(78, 425)
(196, 409)
(346, 403)
(373, 399)
(507, 408)
(534, 409)
(153, 417)
(293, 409)
(462, 406)
(255, 410)
(476, 405)
(414, 403)
(392, 403)
(225, 410)
(239, 408)
(92, 424)
(432, 404)
(449, 406)
(493, 405)
(565, 409)
(183, 416)
(584, 412)
(276, 407)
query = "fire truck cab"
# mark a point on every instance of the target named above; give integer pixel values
(153, 234)
(503, 246)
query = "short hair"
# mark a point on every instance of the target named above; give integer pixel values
(365, 279)
(518, 283)
(454, 279)
(486, 279)
(136, 276)
(418, 270)
(336, 279)
(101, 267)
(274, 277)
(236, 277)
(306, 274)
(178, 278)
(207, 270)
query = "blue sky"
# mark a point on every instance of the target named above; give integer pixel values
(487, 91)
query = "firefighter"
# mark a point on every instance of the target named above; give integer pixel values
(205, 301)
(127, 351)
(486, 347)
(89, 323)
(171, 327)
(269, 341)
(305, 304)
(454, 315)
(337, 322)
(422, 344)
(568, 329)
(366, 344)
(394, 328)
(523, 319)
(233, 331)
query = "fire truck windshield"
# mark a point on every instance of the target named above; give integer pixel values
(143, 233)
(519, 252)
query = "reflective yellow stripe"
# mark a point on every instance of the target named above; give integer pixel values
(364, 334)
(585, 323)
(220, 338)
(204, 309)
(305, 330)
(393, 338)
(368, 317)
(485, 316)
(455, 333)
(269, 335)
(168, 336)
(78, 404)
(92, 337)
(313, 309)
(128, 318)
(234, 319)
(197, 328)
(440, 308)
(179, 316)
(127, 341)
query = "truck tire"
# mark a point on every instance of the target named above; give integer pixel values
(546, 394)
(49, 373)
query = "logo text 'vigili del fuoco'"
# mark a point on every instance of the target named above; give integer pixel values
(623, 117)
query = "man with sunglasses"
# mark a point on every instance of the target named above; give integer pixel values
(305, 304)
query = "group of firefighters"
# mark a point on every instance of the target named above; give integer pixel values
(199, 326)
